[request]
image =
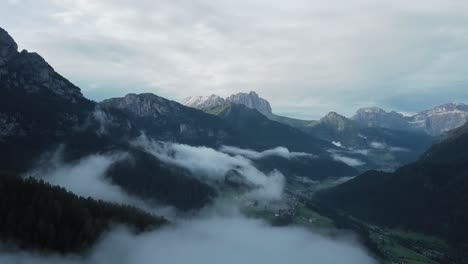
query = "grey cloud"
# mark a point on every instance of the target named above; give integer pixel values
(304, 56)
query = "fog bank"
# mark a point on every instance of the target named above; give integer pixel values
(224, 240)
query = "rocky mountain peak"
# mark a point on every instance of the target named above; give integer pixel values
(143, 105)
(29, 72)
(371, 110)
(374, 116)
(8, 47)
(251, 100)
(335, 120)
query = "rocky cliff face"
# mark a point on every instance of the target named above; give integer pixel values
(374, 116)
(441, 119)
(434, 121)
(251, 100)
(31, 73)
(8, 47)
(168, 120)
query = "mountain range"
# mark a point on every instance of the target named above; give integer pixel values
(434, 121)
(43, 115)
(376, 144)
(41, 111)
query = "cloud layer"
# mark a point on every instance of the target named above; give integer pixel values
(230, 240)
(213, 166)
(86, 177)
(305, 56)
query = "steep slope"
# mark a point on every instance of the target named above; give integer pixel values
(428, 195)
(167, 120)
(38, 107)
(38, 216)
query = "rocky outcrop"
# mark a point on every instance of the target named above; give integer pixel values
(251, 100)
(441, 119)
(142, 105)
(374, 116)
(29, 72)
(8, 47)
(168, 120)
(434, 121)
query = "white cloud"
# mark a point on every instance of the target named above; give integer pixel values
(304, 56)
(215, 240)
(383, 146)
(252, 154)
(212, 166)
(348, 161)
(87, 178)
(378, 145)
(338, 144)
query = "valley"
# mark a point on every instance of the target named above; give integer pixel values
(141, 178)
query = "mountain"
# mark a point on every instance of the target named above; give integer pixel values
(38, 107)
(441, 119)
(250, 100)
(260, 133)
(167, 120)
(378, 147)
(377, 117)
(434, 121)
(427, 196)
(40, 111)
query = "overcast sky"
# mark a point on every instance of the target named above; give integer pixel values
(307, 57)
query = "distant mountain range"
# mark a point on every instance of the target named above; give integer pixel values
(385, 144)
(434, 121)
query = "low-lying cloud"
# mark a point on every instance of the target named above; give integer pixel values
(229, 240)
(383, 146)
(347, 160)
(217, 234)
(278, 151)
(87, 178)
(212, 166)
